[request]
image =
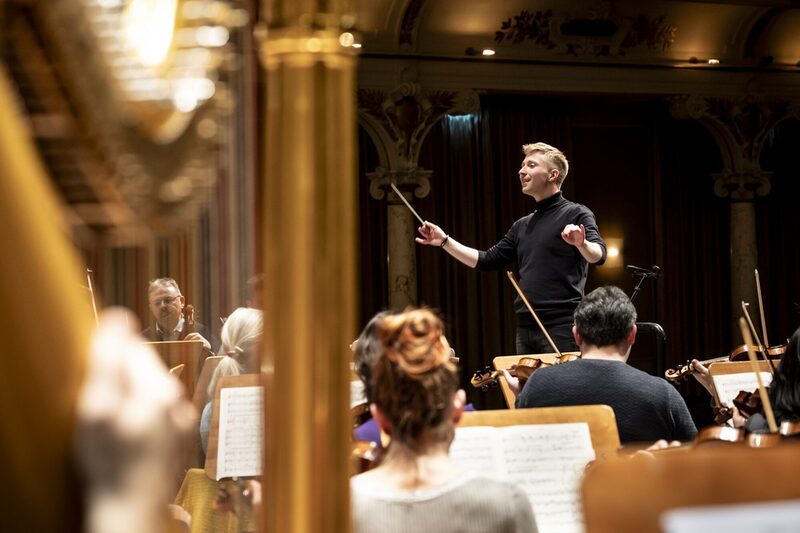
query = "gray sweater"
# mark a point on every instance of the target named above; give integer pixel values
(467, 504)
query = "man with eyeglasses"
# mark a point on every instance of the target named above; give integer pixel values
(166, 304)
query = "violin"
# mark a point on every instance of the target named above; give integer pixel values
(527, 365)
(737, 354)
(789, 429)
(523, 370)
(748, 404)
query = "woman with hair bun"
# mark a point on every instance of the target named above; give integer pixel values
(417, 402)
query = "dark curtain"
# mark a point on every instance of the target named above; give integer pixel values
(778, 229)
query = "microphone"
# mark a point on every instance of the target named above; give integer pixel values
(654, 272)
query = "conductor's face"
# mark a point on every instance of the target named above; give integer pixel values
(535, 176)
(166, 304)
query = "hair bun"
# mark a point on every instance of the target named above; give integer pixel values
(415, 341)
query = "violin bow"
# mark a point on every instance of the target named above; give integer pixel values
(535, 316)
(753, 330)
(91, 291)
(761, 310)
(762, 391)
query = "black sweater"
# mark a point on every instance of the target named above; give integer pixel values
(552, 272)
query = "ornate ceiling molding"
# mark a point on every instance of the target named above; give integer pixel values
(598, 32)
(398, 120)
(407, 33)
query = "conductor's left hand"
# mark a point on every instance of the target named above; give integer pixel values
(574, 235)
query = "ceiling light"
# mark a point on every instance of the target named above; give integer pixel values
(713, 61)
(487, 52)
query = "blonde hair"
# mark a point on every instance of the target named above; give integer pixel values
(240, 335)
(553, 155)
(413, 381)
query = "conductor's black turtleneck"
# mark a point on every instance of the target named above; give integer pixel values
(552, 273)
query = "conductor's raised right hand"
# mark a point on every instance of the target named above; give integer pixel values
(432, 234)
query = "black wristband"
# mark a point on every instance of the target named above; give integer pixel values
(446, 238)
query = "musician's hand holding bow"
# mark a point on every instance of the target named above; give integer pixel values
(432, 235)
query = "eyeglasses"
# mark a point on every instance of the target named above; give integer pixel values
(166, 300)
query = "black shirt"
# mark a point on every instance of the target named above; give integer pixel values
(552, 272)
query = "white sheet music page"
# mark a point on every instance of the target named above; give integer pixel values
(240, 431)
(729, 385)
(762, 517)
(546, 460)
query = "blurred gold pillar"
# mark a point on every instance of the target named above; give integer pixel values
(45, 321)
(309, 257)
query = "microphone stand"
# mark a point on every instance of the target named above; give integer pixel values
(642, 276)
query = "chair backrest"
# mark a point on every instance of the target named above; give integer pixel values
(504, 362)
(600, 418)
(633, 493)
(200, 396)
(189, 353)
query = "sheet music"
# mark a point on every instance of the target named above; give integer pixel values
(546, 460)
(240, 431)
(729, 385)
(766, 517)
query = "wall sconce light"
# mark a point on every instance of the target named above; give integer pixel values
(482, 52)
(614, 256)
(710, 61)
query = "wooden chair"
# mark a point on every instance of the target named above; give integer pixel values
(544, 452)
(600, 418)
(188, 353)
(200, 396)
(631, 494)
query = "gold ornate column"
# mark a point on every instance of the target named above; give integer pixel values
(398, 121)
(309, 256)
(739, 126)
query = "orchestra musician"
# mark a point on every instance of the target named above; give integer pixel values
(241, 336)
(417, 402)
(166, 305)
(784, 390)
(647, 408)
(552, 247)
